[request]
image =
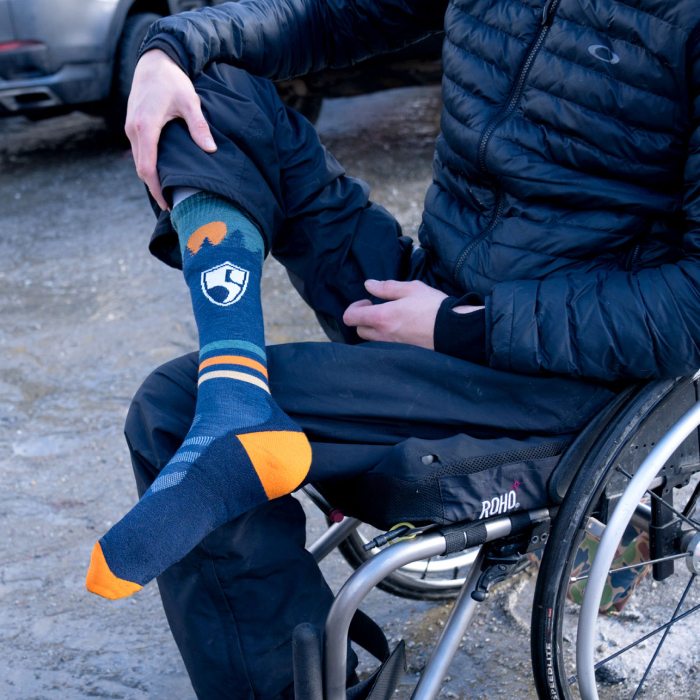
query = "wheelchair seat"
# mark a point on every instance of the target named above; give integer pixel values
(632, 476)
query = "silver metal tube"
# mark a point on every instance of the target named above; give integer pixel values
(642, 516)
(498, 528)
(434, 673)
(332, 537)
(624, 510)
(353, 593)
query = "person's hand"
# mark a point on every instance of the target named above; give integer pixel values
(161, 92)
(407, 316)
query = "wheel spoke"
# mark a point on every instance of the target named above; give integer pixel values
(671, 622)
(663, 638)
(670, 557)
(681, 516)
(692, 502)
(675, 619)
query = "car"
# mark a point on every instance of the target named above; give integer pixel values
(81, 54)
(76, 54)
(419, 64)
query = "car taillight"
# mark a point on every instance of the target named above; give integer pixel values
(7, 46)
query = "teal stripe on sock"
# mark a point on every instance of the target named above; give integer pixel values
(232, 345)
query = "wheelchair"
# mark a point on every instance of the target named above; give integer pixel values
(621, 525)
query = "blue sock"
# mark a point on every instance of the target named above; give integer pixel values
(241, 449)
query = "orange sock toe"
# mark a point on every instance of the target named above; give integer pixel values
(102, 581)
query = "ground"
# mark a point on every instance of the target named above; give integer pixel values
(86, 314)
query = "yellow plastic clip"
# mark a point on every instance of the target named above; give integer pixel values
(410, 526)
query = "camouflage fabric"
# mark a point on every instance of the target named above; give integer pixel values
(633, 549)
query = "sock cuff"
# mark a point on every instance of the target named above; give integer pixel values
(203, 207)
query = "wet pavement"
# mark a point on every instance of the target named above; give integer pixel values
(86, 315)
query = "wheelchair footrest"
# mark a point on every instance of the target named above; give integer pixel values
(382, 683)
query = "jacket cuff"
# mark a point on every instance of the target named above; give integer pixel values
(169, 46)
(461, 335)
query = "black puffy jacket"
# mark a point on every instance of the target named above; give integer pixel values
(566, 184)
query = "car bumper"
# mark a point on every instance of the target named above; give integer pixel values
(71, 85)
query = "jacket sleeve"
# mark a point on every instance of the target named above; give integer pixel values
(281, 39)
(640, 324)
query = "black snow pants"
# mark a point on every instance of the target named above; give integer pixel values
(233, 602)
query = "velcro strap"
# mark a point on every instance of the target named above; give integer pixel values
(369, 635)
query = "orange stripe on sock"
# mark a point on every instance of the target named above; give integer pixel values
(280, 458)
(214, 232)
(102, 581)
(234, 360)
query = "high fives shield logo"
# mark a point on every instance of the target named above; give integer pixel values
(224, 284)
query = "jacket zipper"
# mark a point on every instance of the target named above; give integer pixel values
(633, 259)
(548, 12)
(498, 211)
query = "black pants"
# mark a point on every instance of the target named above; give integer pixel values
(233, 602)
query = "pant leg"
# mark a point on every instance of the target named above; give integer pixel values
(382, 393)
(317, 221)
(322, 227)
(233, 602)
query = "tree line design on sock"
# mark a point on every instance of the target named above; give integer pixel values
(214, 232)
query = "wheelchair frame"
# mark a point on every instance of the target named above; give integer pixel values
(485, 540)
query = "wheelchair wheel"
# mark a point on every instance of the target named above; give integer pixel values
(644, 625)
(440, 578)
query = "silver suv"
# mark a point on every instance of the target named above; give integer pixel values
(80, 54)
(59, 56)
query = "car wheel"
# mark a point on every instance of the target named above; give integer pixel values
(309, 106)
(295, 94)
(130, 41)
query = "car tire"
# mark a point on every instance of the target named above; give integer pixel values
(295, 94)
(125, 59)
(308, 105)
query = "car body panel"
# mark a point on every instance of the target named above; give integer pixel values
(68, 60)
(7, 30)
(77, 33)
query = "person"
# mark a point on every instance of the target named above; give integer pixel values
(558, 258)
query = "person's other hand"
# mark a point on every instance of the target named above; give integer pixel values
(407, 316)
(161, 92)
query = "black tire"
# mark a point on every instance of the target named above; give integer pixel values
(598, 483)
(125, 58)
(309, 106)
(417, 582)
(295, 94)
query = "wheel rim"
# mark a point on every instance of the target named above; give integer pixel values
(438, 573)
(635, 650)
